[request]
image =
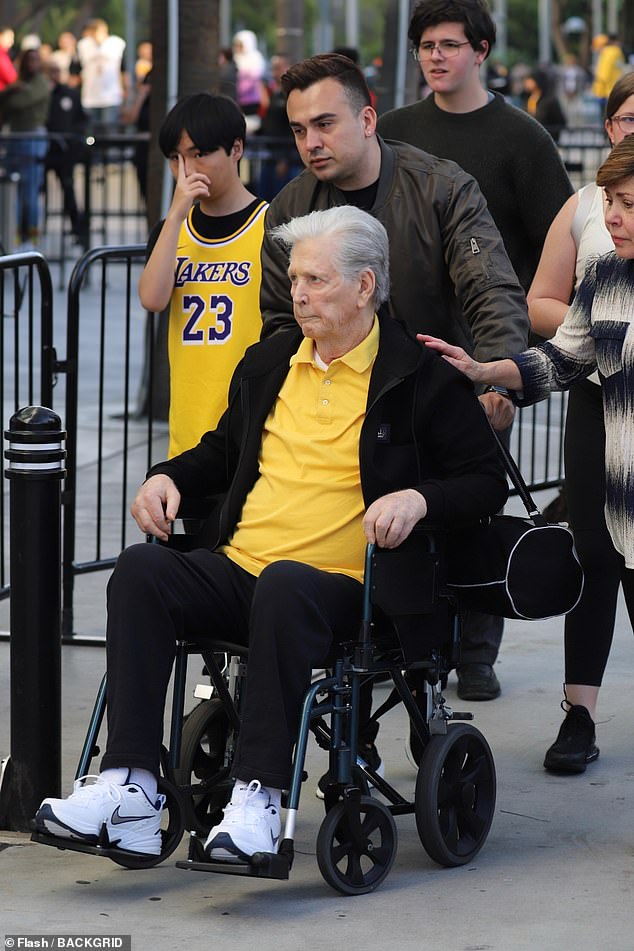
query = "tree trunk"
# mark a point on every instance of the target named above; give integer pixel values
(289, 36)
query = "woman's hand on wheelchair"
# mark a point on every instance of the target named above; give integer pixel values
(156, 506)
(389, 520)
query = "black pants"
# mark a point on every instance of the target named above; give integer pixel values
(63, 164)
(290, 618)
(589, 629)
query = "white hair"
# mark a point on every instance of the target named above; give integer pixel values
(361, 244)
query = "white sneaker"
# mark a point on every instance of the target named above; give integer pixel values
(250, 824)
(132, 821)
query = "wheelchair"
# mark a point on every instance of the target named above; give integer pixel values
(409, 634)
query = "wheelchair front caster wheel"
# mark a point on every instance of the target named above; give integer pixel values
(455, 795)
(356, 845)
(172, 828)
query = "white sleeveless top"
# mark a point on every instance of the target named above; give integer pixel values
(590, 234)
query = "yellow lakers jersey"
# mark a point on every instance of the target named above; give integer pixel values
(214, 317)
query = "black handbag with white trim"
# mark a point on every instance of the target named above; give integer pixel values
(515, 567)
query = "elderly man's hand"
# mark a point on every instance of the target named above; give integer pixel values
(499, 410)
(390, 519)
(156, 505)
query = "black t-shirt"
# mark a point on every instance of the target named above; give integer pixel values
(212, 227)
(362, 198)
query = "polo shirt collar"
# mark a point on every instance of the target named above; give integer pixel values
(358, 359)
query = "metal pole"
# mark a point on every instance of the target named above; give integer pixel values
(401, 54)
(35, 471)
(225, 22)
(613, 17)
(597, 17)
(545, 18)
(171, 94)
(324, 34)
(130, 45)
(352, 23)
(501, 41)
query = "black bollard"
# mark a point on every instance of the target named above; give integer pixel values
(35, 471)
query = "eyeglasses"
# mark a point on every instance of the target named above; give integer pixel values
(447, 48)
(625, 123)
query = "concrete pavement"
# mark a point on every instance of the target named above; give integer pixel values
(556, 873)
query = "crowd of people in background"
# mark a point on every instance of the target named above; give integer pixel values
(90, 83)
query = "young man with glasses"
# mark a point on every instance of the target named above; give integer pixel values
(520, 173)
(510, 155)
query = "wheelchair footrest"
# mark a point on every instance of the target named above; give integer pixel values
(77, 845)
(261, 865)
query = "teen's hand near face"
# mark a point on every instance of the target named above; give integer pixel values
(191, 186)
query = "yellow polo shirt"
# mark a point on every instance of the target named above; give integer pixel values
(307, 503)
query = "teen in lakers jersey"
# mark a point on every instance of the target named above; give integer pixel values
(204, 262)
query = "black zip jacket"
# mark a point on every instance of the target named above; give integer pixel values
(423, 429)
(449, 270)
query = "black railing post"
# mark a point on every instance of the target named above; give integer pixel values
(35, 470)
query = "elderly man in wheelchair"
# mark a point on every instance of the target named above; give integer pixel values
(341, 432)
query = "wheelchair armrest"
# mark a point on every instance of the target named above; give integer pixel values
(406, 580)
(196, 508)
(193, 513)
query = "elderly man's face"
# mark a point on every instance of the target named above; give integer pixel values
(336, 313)
(332, 140)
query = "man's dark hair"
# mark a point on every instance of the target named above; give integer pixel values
(473, 14)
(329, 66)
(212, 122)
(350, 51)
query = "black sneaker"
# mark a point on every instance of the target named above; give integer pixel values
(368, 755)
(477, 682)
(575, 745)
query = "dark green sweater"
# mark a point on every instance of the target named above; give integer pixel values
(511, 156)
(24, 104)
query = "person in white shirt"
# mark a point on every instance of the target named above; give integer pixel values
(103, 77)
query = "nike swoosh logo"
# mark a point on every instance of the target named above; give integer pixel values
(117, 819)
(274, 838)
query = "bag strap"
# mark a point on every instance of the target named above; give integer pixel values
(518, 481)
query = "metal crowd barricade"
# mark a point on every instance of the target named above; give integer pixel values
(112, 439)
(106, 186)
(107, 192)
(583, 149)
(27, 359)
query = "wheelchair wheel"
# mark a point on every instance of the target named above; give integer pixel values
(172, 828)
(356, 850)
(455, 795)
(203, 745)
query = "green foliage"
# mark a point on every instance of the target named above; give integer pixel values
(522, 26)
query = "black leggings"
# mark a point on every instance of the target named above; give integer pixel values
(589, 629)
